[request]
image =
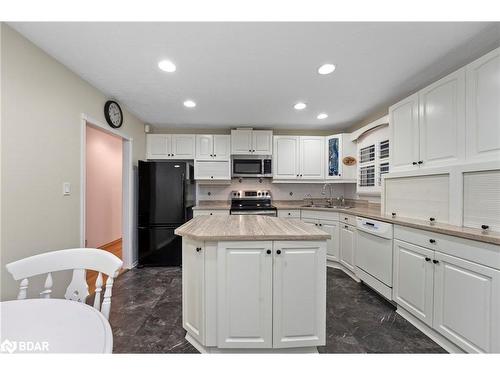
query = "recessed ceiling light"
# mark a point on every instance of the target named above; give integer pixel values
(326, 69)
(322, 116)
(189, 104)
(167, 66)
(300, 105)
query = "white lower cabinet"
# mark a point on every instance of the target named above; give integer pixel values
(245, 294)
(467, 304)
(347, 245)
(299, 294)
(193, 286)
(458, 298)
(270, 294)
(413, 282)
(333, 244)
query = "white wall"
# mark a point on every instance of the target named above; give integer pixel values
(279, 191)
(42, 103)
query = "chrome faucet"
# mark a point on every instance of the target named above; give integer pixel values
(329, 200)
(306, 197)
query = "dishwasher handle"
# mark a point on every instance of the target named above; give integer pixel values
(374, 227)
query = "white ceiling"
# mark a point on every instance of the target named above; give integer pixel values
(253, 73)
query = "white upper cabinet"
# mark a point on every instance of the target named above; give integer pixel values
(483, 107)
(183, 146)
(262, 141)
(442, 121)
(212, 147)
(170, 146)
(221, 147)
(158, 146)
(298, 158)
(204, 146)
(404, 133)
(336, 148)
(454, 120)
(212, 170)
(286, 157)
(251, 142)
(312, 158)
(241, 142)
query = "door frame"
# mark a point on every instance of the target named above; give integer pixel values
(127, 187)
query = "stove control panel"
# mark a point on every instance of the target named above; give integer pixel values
(251, 194)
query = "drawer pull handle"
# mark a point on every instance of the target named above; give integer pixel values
(484, 227)
(435, 261)
(432, 241)
(427, 259)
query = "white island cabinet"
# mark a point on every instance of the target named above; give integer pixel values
(253, 284)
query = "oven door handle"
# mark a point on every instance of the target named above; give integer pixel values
(253, 212)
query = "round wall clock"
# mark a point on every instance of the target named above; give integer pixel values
(113, 114)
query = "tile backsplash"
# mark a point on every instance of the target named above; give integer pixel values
(279, 191)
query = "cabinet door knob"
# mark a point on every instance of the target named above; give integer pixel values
(393, 214)
(211, 213)
(278, 252)
(420, 162)
(435, 261)
(432, 241)
(320, 225)
(198, 249)
(427, 259)
(249, 150)
(414, 163)
(484, 226)
(346, 227)
(268, 251)
(173, 154)
(297, 175)
(215, 155)
(211, 176)
(289, 214)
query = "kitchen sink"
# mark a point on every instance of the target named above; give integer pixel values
(324, 206)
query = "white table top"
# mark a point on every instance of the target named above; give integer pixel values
(54, 326)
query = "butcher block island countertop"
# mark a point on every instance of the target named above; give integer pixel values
(249, 228)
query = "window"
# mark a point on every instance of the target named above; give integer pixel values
(373, 164)
(367, 176)
(367, 154)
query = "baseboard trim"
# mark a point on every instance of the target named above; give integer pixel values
(336, 265)
(213, 350)
(430, 332)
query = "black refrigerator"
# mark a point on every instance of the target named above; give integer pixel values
(166, 198)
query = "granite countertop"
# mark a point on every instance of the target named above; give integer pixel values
(249, 227)
(373, 212)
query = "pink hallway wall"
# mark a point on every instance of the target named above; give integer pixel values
(103, 222)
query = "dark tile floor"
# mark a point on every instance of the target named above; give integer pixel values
(146, 317)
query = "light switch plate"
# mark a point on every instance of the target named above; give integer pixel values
(66, 188)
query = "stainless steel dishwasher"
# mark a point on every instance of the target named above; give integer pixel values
(374, 254)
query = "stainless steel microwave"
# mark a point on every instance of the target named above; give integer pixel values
(252, 166)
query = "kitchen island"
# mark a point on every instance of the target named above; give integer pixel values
(253, 284)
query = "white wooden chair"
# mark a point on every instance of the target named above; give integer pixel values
(78, 260)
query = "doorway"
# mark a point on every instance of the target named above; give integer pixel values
(106, 192)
